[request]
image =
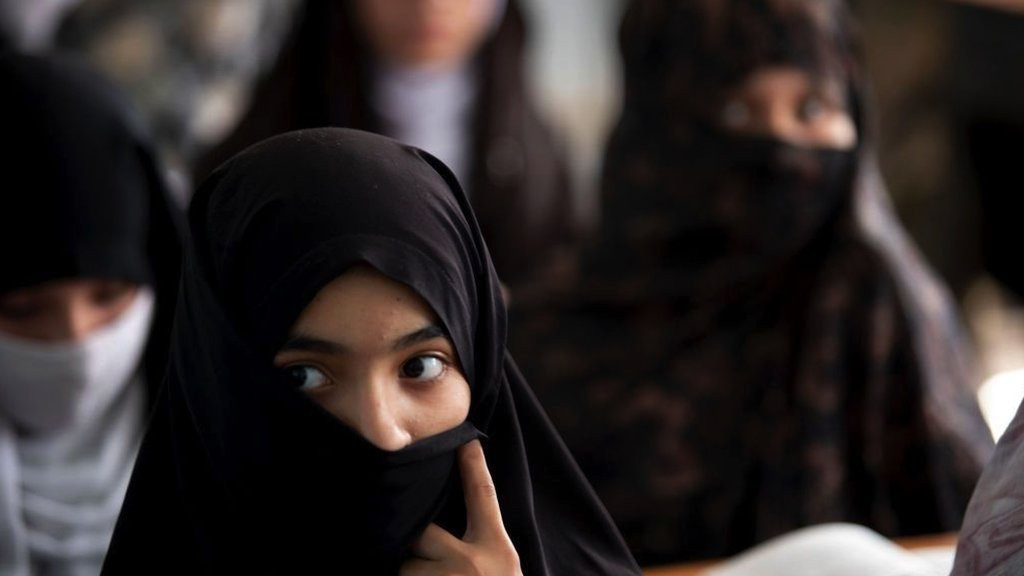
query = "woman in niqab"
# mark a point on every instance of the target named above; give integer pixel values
(753, 345)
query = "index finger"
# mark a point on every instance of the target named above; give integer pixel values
(483, 515)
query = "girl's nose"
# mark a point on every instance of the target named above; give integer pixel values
(375, 418)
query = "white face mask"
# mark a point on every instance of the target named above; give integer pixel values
(49, 386)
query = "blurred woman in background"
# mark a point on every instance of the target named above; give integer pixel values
(445, 76)
(90, 248)
(753, 344)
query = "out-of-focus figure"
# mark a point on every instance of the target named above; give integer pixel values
(90, 248)
(188, 65)
(445, 76)
(753, 344)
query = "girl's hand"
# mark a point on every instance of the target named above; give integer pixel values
(486, 549)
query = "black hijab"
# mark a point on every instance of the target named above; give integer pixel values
(241, 473)
(91, 202)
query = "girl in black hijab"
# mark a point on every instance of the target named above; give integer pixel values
(446, 77)
(241, 473)
(752, 331)
(91, 256)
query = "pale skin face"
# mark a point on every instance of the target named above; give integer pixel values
(371, 352)
(64, 310)
(425, 33)
(790, 104)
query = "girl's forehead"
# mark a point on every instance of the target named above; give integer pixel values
(787, 77)
(361, 292)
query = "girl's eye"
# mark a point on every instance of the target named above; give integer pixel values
(423, 368)
(306, 378)
(811, 108)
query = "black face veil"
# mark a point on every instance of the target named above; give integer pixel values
(241, 473)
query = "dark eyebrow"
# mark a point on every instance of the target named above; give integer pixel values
(422, 335)
(320, 346)
(311, 344)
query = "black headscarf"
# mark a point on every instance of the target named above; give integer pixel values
(765, 355)
(90, 201)
(519, 182)
(241, 473)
